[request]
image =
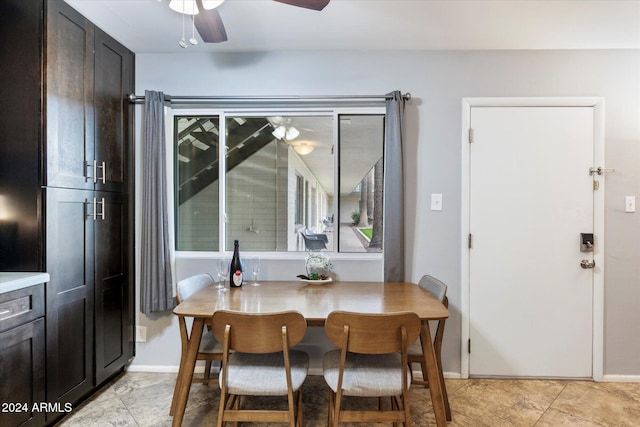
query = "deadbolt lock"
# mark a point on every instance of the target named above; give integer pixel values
(586, 242)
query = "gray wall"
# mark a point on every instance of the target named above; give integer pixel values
(438, 80)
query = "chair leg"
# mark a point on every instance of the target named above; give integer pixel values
(300, 410)
(223, 404)
(394, 407)
(334, 409)
(292, 412)
(236, 406)
(405, 405)
(423, 367)
(207, 372)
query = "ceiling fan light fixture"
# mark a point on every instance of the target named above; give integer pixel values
(185, 7)
(279, 132)
(211, 4)
(189, 7)
(291, 133)
(303, 148)
(285, 132)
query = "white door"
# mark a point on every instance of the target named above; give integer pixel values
(531, 196)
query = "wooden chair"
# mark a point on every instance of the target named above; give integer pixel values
(261, 364)
(210, 348)
(371, 362)
(439, 290)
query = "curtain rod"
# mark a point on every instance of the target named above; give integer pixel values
(139, 99)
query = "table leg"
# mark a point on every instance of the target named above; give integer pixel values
(183, 357)
(185, 376)
(433, 375)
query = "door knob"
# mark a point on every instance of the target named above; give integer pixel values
(585, 263)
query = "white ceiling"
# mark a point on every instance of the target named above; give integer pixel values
(147, 26)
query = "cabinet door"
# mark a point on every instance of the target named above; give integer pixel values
(70, 294)
(69, 98)
(114, 287)
(22, 374)
(21, 243)
(113, 111)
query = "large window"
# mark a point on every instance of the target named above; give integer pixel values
(279, 182)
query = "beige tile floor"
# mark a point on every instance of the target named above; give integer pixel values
(143, 399)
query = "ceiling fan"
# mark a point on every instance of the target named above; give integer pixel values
(208, 22)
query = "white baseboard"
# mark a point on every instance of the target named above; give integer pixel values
(312, 371)
(159, 369)
(621, 378)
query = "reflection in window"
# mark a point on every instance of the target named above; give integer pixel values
(361, 183)
(279, 182)
(196, 176)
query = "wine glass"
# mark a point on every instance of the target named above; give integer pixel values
(223, 270)
(255, 269)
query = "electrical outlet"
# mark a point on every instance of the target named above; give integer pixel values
(141, 334)
(436, 202)
(630, 204)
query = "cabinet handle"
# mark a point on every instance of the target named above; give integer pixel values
(94, 214)
(102, 210)
(88, 165)
(102, 166)
(94, 164)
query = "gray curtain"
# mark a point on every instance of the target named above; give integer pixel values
(156, 281)
(393, 189)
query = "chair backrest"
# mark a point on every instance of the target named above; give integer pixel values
(372, 333)
(193, 284)
(313, 243)
(433, 285)
(259, 332)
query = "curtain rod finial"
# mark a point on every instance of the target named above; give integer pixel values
(407, 96)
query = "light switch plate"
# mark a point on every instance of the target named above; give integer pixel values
(630, 204)
(436, 202)
(141, 334)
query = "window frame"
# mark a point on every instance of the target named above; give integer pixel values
(223, 113)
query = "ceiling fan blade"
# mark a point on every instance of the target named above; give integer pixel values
(209, 25)
(307, 4)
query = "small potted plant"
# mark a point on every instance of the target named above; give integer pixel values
(318, 266)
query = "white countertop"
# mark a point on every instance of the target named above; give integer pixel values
(11, 281)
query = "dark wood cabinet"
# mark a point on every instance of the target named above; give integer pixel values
(114, 70)
(70, 294)
(66, 166)
(89, 227)
(89, 313)
(69, 97)
(89, 75)
(22, 357)
(113, 296)
(21, 174)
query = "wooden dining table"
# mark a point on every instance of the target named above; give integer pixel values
(315, 301)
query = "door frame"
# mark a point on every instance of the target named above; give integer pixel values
(598, 217)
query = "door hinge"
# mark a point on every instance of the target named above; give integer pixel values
(470, 240)
(596, 185)
(470, 135)
(469, 346)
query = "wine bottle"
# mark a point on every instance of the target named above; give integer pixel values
(235, 271)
